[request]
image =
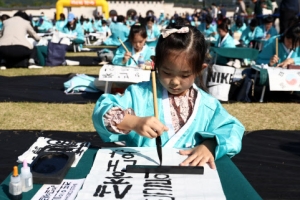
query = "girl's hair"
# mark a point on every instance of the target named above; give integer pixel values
(137, 29)
(292, 33)
(239, 22)
(22, 14)
(149, 19)
(254, 23)
(224, 26)
(191, 43)
(208, 19)
(62, 16)
(268, 19)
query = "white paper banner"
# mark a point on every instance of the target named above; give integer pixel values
(123, 74)
(284, 79)
(219, 82)
(106, 179)
(67, 190)
(49, 145)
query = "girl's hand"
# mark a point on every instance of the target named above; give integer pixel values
(149, 127)
(274, 60)
(285, 63)
(127, 56)
(201, 154)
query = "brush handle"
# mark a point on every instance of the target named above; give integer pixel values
(123, 45)
(276, 46)
(154, 94)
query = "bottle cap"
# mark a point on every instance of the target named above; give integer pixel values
(15, 171)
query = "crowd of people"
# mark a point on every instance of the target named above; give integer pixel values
(247, 28)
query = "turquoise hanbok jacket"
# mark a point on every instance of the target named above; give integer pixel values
(249, 35)
(208, 31)
(208, 120)
(228, 42)
(45, 26)
(272, 31)
(97, 24)
(151, 34)
(234, 28)
(119, 55)
(78, 31)
(87, 26)
(60, 24)
(269, 51)
(118, 30)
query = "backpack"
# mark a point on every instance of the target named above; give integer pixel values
(105, 55)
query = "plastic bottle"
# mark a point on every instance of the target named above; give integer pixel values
(141, 61)
(26, 177)
(15, 185)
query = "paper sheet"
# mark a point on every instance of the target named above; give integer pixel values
(67, 190)
(284, 79)
(106, 179)
(123, 74)
(49, 145)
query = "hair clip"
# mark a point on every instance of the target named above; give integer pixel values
(137, 24)
(166, 32)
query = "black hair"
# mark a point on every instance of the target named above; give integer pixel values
(254, 23)
(137, 29)
(224, 26)
(292, 33)
(22, 14)
(149, 19)
(4, 17)
(239, 22)
(104, 22)
(208, 19)
(62, 15)
(268, 19)
(120, 18)
(179, 21)
(191, 43)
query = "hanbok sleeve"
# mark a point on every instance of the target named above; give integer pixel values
(114, 117)
(267, 53)
(118, 58)
(227, 130)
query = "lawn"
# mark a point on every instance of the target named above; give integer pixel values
(77, 117)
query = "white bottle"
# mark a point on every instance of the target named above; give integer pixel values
(15, 185)
(26, 177)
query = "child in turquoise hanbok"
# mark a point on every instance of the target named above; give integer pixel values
(61, 23)
(118, 31)
(137, 47)
(153, 33)
(188, 116)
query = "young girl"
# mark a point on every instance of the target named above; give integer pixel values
(137, 47)
(188, 116)
(288, 49)
(152, 33)
(224, 40)
(74, 29)
(251, 33)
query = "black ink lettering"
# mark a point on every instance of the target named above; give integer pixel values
(113, 181)
(122, 195)
(224, 78)
(109, 165)
(112, 154)
(146, 175)
(218, 77)
(102, 190)
(213, 77)
(133, 161)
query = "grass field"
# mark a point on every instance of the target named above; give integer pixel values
(75, 117)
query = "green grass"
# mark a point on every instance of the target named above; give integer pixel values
(77, 117)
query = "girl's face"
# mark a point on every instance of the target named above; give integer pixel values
(221, 32)
(175, 74)
(149, 25)
(138, 42)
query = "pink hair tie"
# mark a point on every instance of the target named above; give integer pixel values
(166, 32)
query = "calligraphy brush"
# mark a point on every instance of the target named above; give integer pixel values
(154, 92)
(127, 50)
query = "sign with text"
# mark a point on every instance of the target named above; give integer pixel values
(108, 180)
(284, 79)
(83, 3)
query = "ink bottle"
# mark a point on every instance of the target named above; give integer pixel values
(15, 185)
(26, 177)
(141, 61)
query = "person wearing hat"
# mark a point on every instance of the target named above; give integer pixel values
(74, 30)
